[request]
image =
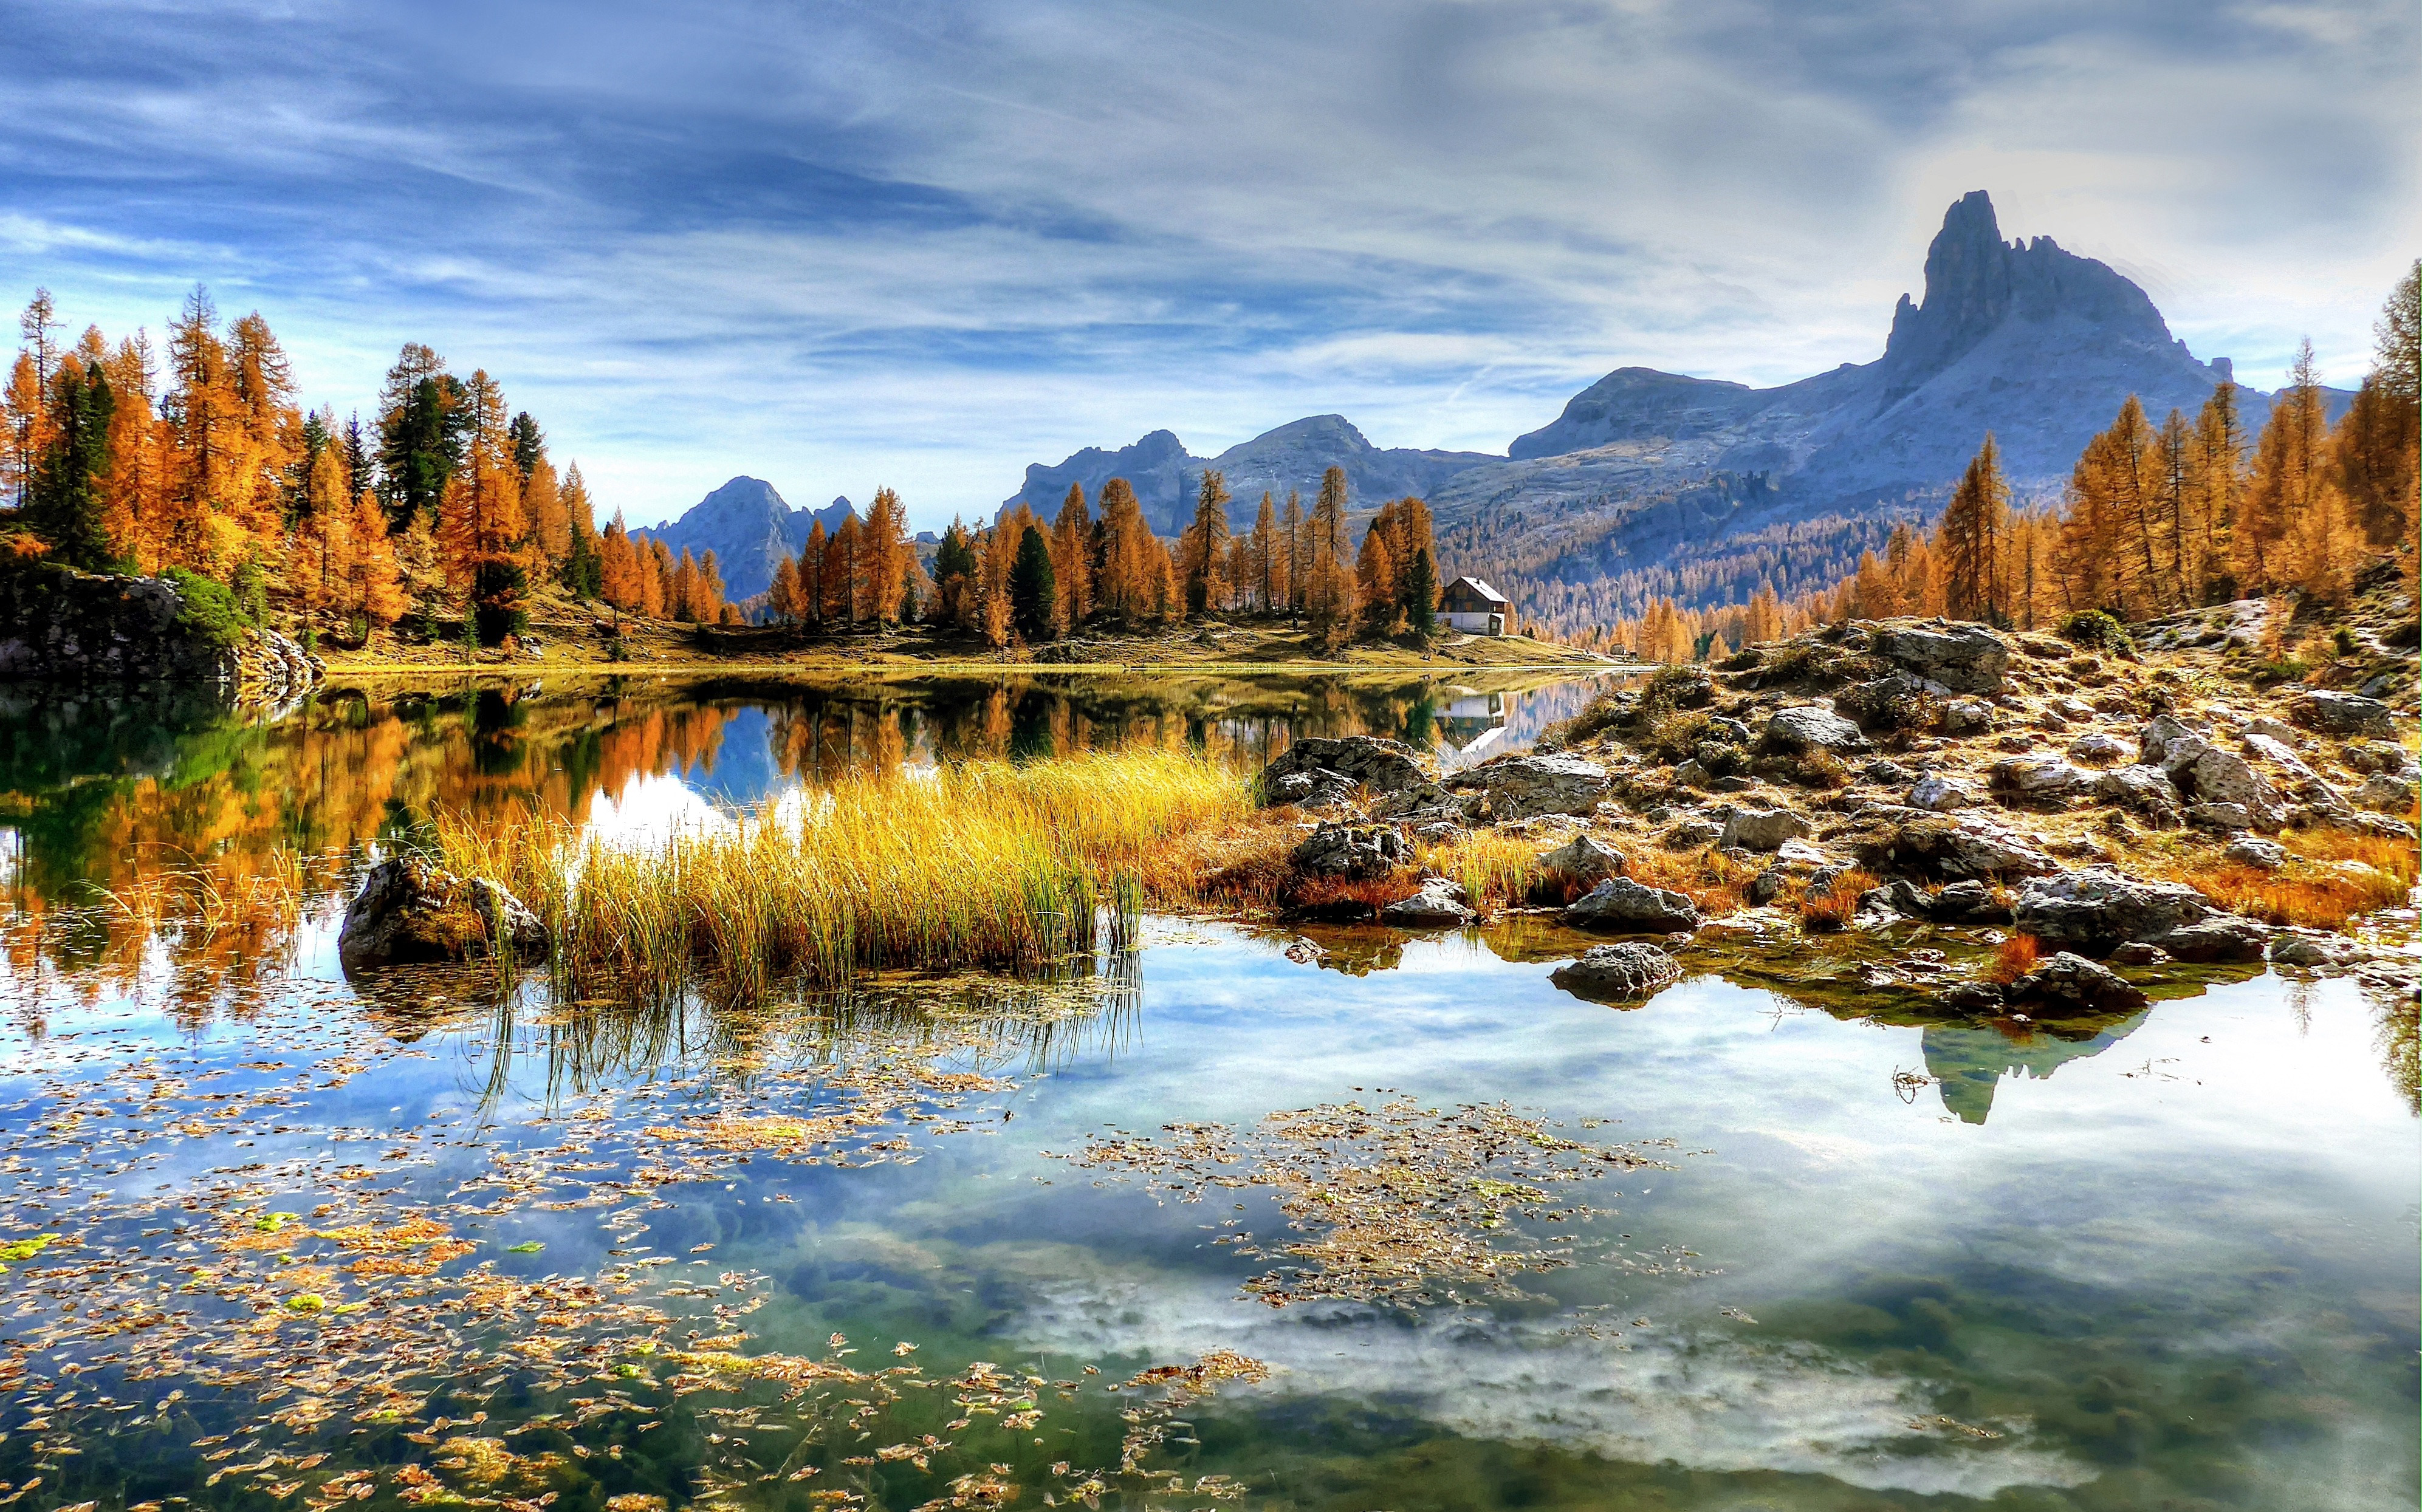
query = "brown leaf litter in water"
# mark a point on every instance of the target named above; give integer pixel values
(1394, 1201)
(314, 1303)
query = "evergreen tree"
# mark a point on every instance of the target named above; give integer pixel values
(420, 430)
(1417, 589)
(63, 507)
(1032, 596)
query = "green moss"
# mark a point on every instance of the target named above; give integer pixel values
(210, 611)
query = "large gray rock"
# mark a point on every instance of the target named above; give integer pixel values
(1381, 766)
(1611, 973)
(2097, 911)
(1438, 904)
(2385, 793)
(1620, 905)
(1584, 859)
(2153, 743)
(2224, 937)
(2205, 773)
(2069, 985)
(1961, 902)
(2145, 790)
(1967, 845)
(410, 911)
(1810, 728)
(1526, 787)
(59, 625)
(1963, 658)
(2250, 851)
(1358, 852)
(2342, 713)
(1938, 794)
(1764, 829)
(2040, 778)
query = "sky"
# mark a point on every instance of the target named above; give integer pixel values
(923, 244)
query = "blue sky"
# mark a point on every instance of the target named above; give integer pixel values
(924, 245)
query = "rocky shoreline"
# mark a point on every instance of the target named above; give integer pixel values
(66, 628)
(2094, 816)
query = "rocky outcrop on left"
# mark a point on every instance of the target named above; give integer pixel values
(67, 627)
(410, 911)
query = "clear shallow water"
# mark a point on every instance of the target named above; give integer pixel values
(2170, 1261)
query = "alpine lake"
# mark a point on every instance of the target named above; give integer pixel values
(1241, 1215)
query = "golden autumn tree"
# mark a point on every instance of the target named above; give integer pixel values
(1072, 558)
(1973, 537)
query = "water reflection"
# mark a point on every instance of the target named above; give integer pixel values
(1967, 1060)
(120, 813)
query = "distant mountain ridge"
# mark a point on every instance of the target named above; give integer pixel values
(1656, 482)
(749, 528)
(1166, 477)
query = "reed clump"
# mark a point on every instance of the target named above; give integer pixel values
(983, 864)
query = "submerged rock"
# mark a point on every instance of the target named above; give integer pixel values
(1629, 970)
(1621, 905)
(410, 911)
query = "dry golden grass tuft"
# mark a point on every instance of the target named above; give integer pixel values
(2332, 876)
(2015, 957)
(1837, 905)
(987, 864)
(1714, 881)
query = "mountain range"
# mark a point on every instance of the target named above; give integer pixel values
(749, 528)
(1697, 487)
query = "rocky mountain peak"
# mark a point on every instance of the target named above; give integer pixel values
(1976, 283)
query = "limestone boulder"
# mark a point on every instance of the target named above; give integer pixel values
(1585, 859)
(410, 911)
(1621, 906)
(1438, 904)
(2147, 791)
(1970, 846)
(2040, 778)
(2342, 713)
(1807, 728)
(2098, 909)
(1380, 766)
(1358, 852)
(2070, 986)
(1939, 794)
(1528, 786)
(2253, 851)
(1963, 658)
(1617, 972)
(2098, 748)
(1764, 829)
